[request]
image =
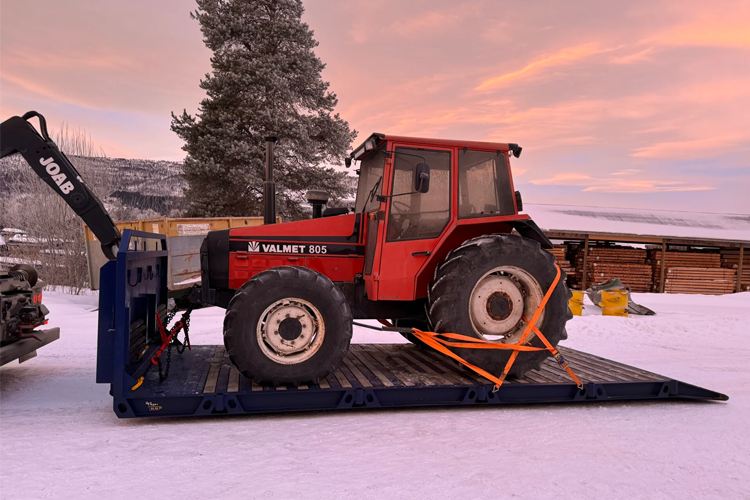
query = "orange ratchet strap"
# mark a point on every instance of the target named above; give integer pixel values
(438, 342)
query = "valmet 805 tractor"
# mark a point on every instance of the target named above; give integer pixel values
(429, 245)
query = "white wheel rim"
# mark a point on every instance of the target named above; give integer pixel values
(500, 300)
(290, 331)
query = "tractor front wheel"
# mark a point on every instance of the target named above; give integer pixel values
(487, 287)
(287, 325)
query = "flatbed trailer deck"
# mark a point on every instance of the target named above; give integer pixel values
(202, 381)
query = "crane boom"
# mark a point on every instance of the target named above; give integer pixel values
(17, 135)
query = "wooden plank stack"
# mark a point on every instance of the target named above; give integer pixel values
(710, 281)
(626, 263)
(730, 259)
(691, 272)
(560, 252)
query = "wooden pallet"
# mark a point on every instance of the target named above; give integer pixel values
(695, 281)
(560, 252)
(730, 259)
(714, 281)
(626, 263)
(686, 259)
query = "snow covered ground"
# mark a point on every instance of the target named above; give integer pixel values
(59, 437)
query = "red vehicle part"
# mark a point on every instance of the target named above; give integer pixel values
(393, 269)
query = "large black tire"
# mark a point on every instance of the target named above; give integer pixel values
(258, 338)
(470, 264)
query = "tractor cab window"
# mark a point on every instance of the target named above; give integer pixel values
(483, 184)
(370, 175)
(419, 215)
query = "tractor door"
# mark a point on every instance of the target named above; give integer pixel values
(414, 221)
(369, 188)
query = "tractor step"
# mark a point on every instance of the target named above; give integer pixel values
(204, 382)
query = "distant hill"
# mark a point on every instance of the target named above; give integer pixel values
(143, 187)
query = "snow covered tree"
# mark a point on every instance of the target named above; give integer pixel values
(265, 81)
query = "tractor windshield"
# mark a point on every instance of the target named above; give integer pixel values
(483, 184)
(370, 172)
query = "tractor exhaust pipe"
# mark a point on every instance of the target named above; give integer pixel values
(269, 186)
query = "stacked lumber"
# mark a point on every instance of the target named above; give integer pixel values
(560, 252)
(730, 259)
(685, 259)
(626, 263)
(690, 272)
(710, 281)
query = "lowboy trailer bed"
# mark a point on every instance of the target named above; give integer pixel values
(202, 381)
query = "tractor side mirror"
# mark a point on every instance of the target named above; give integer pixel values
(422, 178)
(348, 161)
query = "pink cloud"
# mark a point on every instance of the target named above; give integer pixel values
(627, 90)
(564, 56)
(692, 148)
(427, 24)
(636, 57)
(632, 184)
(728, 33)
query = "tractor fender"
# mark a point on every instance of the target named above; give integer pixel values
(528, 229)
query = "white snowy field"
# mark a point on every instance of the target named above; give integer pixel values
(59, 437)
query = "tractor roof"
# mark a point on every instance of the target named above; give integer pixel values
(376, 139)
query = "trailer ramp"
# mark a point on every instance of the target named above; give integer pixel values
(202, 381)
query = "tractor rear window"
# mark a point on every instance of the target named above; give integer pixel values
(483, 184)
(416, 215)
(370, 174)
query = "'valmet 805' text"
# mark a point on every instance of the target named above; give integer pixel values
(255, 246)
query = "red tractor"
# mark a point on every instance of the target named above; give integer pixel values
(429, 245)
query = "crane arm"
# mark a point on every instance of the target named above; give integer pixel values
(17, 135)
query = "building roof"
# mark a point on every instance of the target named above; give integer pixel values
(641, 222)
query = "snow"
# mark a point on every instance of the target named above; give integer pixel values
(700, 225)
(59, 437)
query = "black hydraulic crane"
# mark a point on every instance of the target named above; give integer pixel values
(17, 135)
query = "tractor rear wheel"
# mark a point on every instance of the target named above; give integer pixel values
(485, 287)
(287, 325)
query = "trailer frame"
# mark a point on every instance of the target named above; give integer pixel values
(202, 380)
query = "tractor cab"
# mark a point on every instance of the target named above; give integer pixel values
(416, 195)
(416, 210)
(416, 200)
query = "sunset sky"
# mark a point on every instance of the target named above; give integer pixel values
(629, 104)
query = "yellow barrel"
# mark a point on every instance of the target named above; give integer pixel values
(576, 303)
(614, 302)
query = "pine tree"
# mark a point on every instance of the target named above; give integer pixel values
(265, 81)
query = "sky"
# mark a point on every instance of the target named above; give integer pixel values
(639, 104)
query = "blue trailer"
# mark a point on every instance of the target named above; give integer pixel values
(202, 381)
